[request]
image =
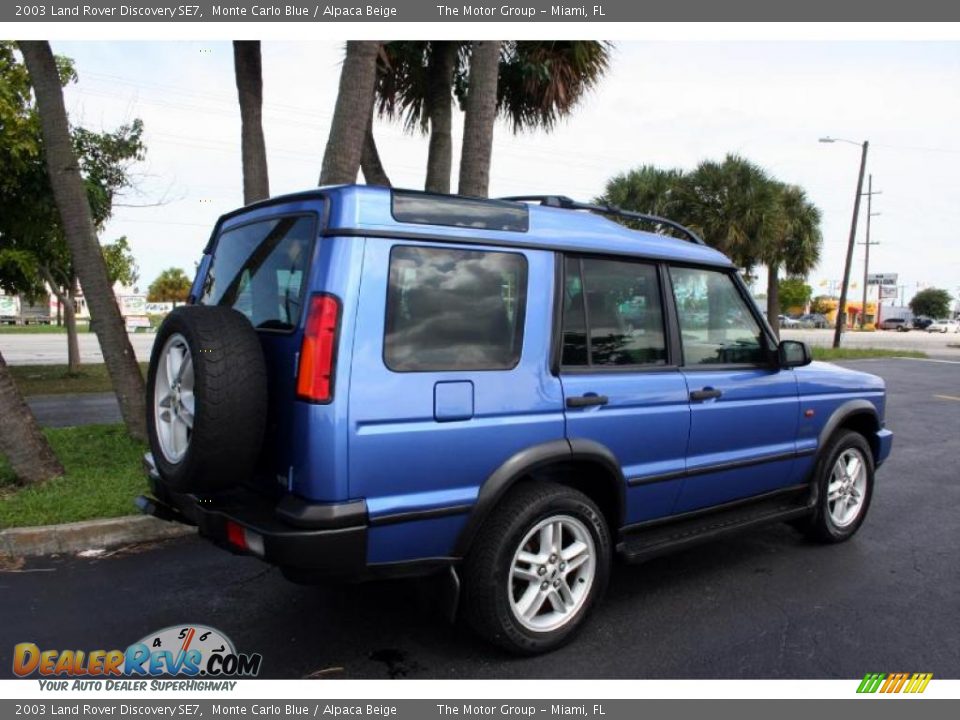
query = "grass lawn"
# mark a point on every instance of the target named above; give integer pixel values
(52, 329)
(103, 476)
(827, 353)
(53, 379)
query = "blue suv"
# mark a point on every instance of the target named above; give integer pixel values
(372, 383)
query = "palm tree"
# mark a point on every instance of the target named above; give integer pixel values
(794, 244)
(543, 81)
(341, 158)
(648, 189)
(370, 163)
(539, 83)
(480, 116)
(71, 198)
(415, 82)
(249, 75)
(732, 204)
(25, 447)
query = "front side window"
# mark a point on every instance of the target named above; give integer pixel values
(716, 326)
(259, 270)
(454, 309)
(612, 314)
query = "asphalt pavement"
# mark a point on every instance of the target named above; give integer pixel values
(69, 409)
(765, 604)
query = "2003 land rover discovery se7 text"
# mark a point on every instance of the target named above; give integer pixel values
(371, 382)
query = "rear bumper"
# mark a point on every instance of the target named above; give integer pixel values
(305, 539)
(884, 444)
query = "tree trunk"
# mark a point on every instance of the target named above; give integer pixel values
(71, 197)
(370, 164)
(773, 298)
(66, 298)
(439, 109)
(348, 130)
(25, 447)
(70, 321)
(249, 76)
(481, 113)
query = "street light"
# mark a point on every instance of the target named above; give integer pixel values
(841, 308)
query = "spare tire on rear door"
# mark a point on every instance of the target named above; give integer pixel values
(206, 399)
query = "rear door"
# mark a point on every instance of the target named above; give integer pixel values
(744, 410)
(259, 268)
(621, 386)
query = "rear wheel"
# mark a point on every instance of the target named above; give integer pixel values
(206, 399)
(539, 564)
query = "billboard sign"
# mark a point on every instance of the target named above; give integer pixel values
(882, 279)
(9, 306)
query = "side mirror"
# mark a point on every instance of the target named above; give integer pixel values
(793, 353)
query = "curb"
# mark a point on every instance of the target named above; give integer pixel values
(86, 535)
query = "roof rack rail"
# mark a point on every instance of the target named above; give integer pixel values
(561, 201)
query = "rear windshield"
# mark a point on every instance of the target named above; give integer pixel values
(259, 269)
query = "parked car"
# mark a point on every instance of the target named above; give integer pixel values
(788, 322)
(423, 384)
(898, 324)
(814, 320)
(944, 325)
(921, 322)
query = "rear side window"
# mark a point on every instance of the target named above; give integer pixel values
(454, 309)
(260, 268)
(612, 314)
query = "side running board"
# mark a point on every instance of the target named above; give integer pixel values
(648, 540)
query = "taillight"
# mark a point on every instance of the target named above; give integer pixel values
(315, 374)
(244, 538)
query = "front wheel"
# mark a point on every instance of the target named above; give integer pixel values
(537, 567)
(844, 488)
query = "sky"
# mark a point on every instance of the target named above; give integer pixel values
(669, 104)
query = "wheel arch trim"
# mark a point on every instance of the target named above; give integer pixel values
(528, 460)
(847, 410)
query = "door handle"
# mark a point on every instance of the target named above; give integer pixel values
(705, 394)
(587, 400)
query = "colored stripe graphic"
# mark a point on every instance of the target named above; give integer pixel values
(894, 683)
(870, 683)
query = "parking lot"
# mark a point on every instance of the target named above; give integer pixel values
(51, 348)
(937, 345)
(766, 604)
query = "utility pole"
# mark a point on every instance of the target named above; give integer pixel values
(842, 307)
(866, 260)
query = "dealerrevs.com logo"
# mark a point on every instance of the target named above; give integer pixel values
(192, 651)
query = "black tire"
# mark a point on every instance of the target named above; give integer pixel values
(230, 391)
(821, 526)
(487, 577)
